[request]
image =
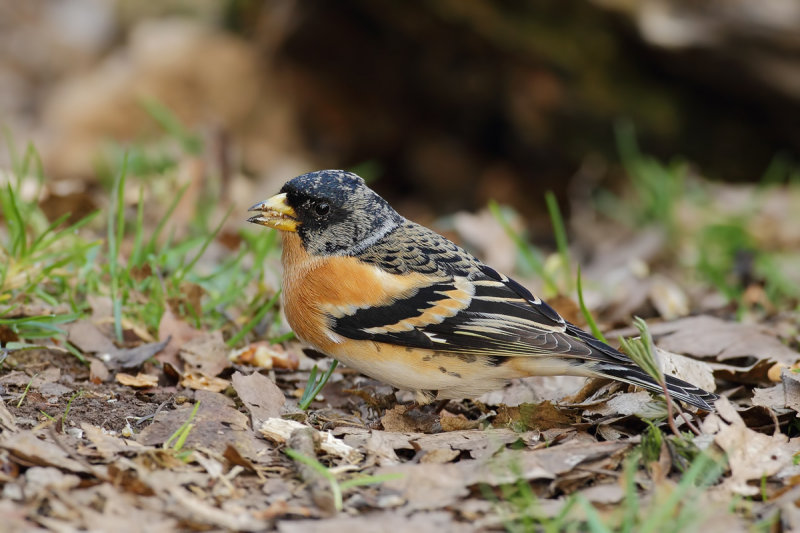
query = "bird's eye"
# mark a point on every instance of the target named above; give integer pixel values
(322, 209)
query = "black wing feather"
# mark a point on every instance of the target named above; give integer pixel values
(502, 319)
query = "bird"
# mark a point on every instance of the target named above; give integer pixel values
(406, 306)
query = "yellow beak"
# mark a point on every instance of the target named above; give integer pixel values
(275, 213)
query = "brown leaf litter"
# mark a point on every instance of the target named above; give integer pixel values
(230, 474)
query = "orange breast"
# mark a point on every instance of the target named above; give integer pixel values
(315, 287)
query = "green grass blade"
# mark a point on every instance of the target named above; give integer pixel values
(151, 244)
(593, 519)
(560, 232)
(661, 513)
(164, 116)
(313, 388)
(290, 335)
(25, 392)
(587, 315)
(16, 223)
(641, 350)
(182, 433)
(69, 230)
(255, 320)
(318, 467)
(49, 229)
(76, 394)
(369, 480)
(116, 228)
(181, 273)
(136, 254)
(535, 262)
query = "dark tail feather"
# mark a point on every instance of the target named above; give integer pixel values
(678, 389)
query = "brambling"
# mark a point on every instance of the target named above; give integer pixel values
(406, 306)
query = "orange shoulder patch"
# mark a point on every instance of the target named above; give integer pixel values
(315, 286)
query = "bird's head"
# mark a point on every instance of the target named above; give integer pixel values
(333, 212)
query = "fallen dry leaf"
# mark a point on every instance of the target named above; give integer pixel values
(216, 425)
(756, 373)
(7, 421)
(668, 298)
(88, 338)
(279, 430)
(21, 379)
(193, 508)
(628, 403)
(791, 388)
(695, 372)
(14, 518)
(394, 420)
(707, 337)
(27, 447)
(398, 521)
(771, 397)
(604, 494)
(140, 380)
(205, 354)
(41, 479)
(263, 399)
(751, 455)
(379, 449)
(120, 505)
(179, 332)
(541, 416)
(132, 357)
(476, 443)
(265, 355)
(305, 441)
(534, 389)
(91, 340)
(439, 456)
(108, 445)
(432, 486)
(401, 419)
(451, 422)
(102, 307)
(196, 381)
(98, 372)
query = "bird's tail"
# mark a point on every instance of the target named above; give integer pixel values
(678, 389)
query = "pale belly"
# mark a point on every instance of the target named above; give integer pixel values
(452, 376)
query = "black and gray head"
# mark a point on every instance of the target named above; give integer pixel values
(333, 212)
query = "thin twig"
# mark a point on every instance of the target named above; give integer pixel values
(305, 441)
(680, 412)
(668, 399)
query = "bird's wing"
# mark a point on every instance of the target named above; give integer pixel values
(484, 313)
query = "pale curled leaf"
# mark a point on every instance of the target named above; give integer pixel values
(751, 455)
(279, 430)
(196, 381)
(695, 372)
(140, 380)
(262, 354)
(668, 298)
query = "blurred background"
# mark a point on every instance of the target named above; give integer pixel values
(446, 102)
(442, 105)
